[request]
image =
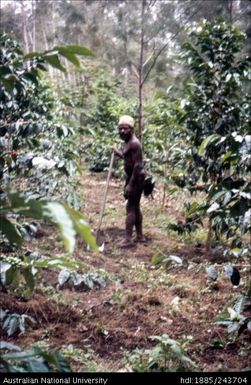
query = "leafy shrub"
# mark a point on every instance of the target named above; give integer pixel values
(102, 120)
(14, 360)
(168, 356)
(236, 320)
(38, 144)
(87, 281)
(36, 147)
(13, 322)
(215, 128)
(69, 222)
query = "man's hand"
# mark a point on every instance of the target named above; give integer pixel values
(117, 152)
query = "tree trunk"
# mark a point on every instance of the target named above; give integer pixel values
(230, 9)
(140, 81)
(30, 39)
(34, 25)
(45, 39)
(25, 36)
(53, 29)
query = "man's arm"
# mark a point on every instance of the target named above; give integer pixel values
(137, 166)
(117, 152)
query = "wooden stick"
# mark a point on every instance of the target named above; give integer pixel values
(105, 196)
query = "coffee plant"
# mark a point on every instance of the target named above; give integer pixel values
(102, 120)
(168, 355)
(215, 119)
(14, 323)
(16, 360)
(37, 147)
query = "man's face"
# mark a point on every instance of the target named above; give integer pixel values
(125, 132)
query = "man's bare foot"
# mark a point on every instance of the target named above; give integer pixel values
(126, 243)
(140, 239)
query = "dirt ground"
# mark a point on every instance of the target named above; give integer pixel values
(140, 299)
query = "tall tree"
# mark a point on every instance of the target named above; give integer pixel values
(33, 25)
(24, 27)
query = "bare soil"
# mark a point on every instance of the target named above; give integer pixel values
(140, 299)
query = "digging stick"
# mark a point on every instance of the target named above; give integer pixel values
(105, 196)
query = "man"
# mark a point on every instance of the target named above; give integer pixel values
(135, 175)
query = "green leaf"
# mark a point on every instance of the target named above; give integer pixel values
(32, 55)
(183, 103)
(10, 275)
(37, 360)
(9, 83)
(4, 71)
(55, 359)
(29, 279)
(216, 196)
(227, 198)
(63, 277)
(61, 363)
(213, 207)
(59, 215)
(195, 207)
(12, 326)
(71, 57)
(37, 366)
(157, 258)
(15, 278)
(18, 355)
(30, 77)
(66, 219)
(10, 231)
(82, 228)
(9, 346)
(226, 156)
(236, 251)
(25, 206)
(75, 49)
(208, 142)
(239, 304)
(54, 61)
(232, 327)
(60, 262)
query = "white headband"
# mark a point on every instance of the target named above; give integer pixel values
(126, 119)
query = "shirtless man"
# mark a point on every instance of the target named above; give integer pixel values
(135, 175)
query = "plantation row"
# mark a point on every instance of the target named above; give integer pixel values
(195, 137)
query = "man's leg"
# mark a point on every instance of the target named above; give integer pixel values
(130, 218)
(138, 214)
(129, 223)
(138, 224)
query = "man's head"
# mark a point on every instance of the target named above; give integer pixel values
(126, 120)
(126, 126)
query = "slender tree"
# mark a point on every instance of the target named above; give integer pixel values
(24, 27)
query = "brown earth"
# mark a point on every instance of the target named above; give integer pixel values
(140, 299)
